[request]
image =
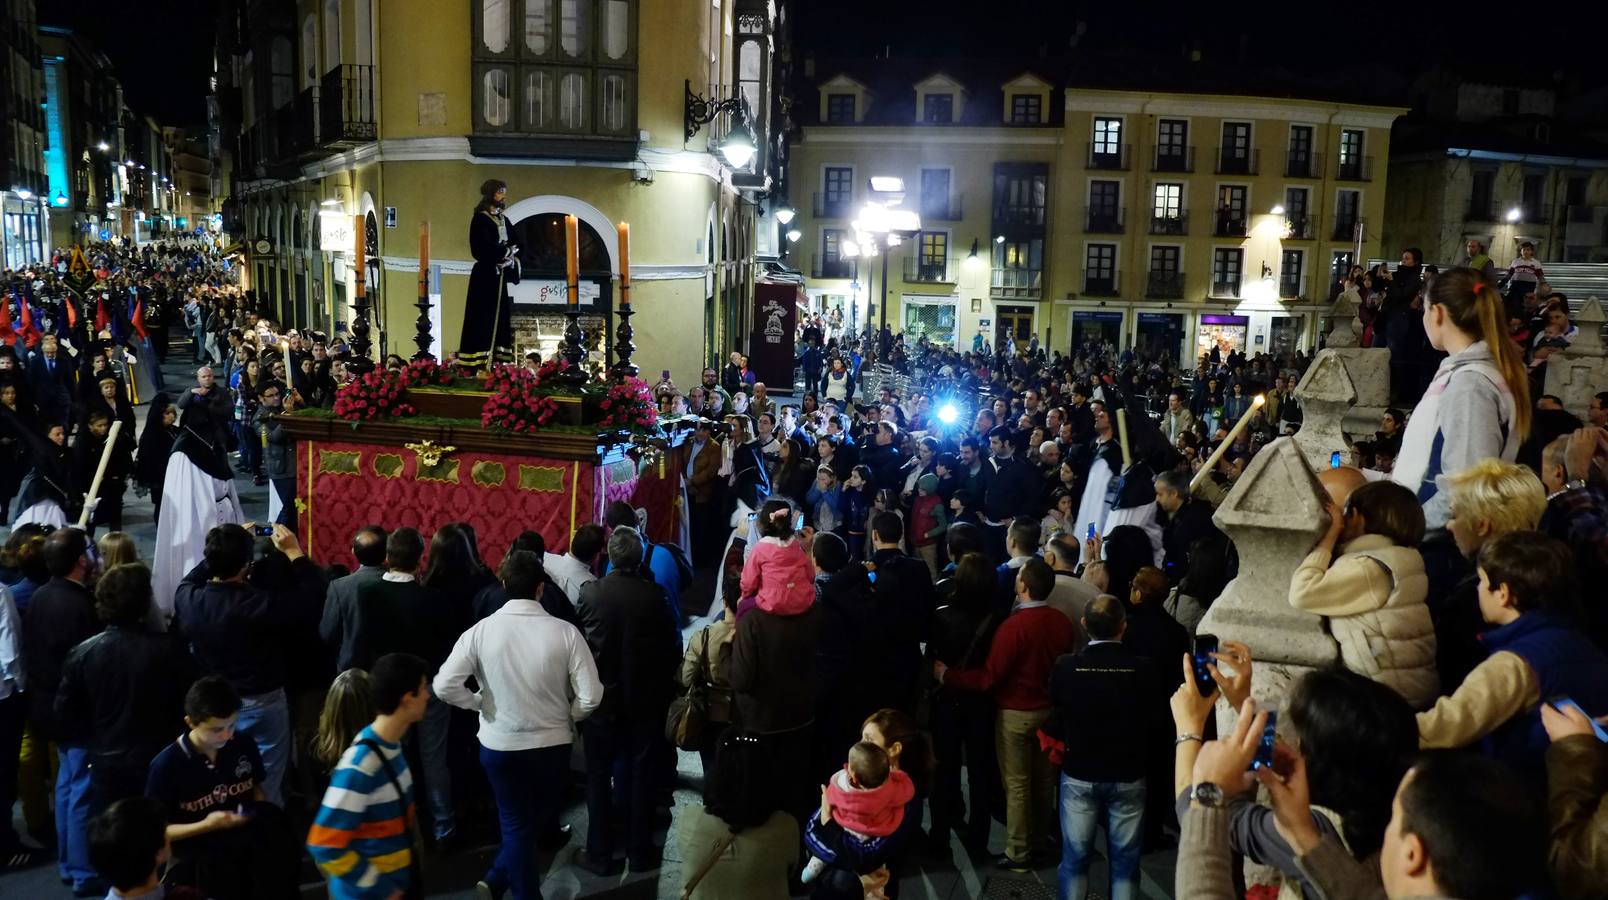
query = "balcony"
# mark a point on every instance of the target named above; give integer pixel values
(1303, 165)
(1171, 224)
(928, 271)
(1110, 157)
(1480, 212)
(346, 106)
(1019, 214)
(1290, 287)
(1016, 283)
(833, 206)
(1237, 162)
(1229, 224)
(940, 209)
(1228, 289)
(1173, 159)
(1103, 220)
(830, 267)
(301, 127)
(1100, 285)
(1164, 285)
(1354, 168)
(1300, 229)
(1345, 227)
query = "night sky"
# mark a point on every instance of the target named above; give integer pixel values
(162, 50)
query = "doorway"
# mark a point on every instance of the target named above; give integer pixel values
(1012, 322)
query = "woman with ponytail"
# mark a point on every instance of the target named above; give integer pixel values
(1478, 404)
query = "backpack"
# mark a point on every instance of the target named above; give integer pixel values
(683, 564)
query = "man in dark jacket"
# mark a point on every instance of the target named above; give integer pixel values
(278, 448)
(634, 640)
(1096, 693)
(882, 457)
(122, 691)
(60, 616)
(52, 381)
(1188, 520)
(1013, 491)
(902, 589)
(338, 626)
(243, 633)
(844, 649)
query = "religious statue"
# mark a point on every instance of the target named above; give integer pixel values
(488, 331)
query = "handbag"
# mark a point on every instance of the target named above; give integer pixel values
(688, 718)
(926, 699)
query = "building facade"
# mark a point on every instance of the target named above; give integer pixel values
(23, 202)
(397, 113)
(1170, 221)
(1501, 163)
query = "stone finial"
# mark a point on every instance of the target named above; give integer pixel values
(1274, 514)
(1579, 371)
(1588, 341)
(1345, 330)
(1326, 394)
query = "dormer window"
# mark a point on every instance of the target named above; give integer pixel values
(938, 109)
(840, 109)
(1027, 109)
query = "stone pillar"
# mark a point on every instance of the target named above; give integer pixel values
(1274, 514)
(1326, 394)
(1582, 370)
(1368, 368)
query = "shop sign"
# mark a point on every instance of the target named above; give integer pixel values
(336, 233)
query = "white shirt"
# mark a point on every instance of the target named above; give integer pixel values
(537, 678)
(568, 573)
(11, 677)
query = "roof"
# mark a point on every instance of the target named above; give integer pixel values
(1517, 135)
(891, 84)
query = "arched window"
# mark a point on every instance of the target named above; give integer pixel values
(332, 34)
(541, 245)
(309, 51)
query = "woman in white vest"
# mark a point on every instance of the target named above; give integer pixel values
(1478, 404)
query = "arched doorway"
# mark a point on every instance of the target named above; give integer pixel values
(540, 298)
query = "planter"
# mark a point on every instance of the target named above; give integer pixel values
(467, 404)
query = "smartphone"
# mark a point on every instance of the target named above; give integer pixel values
(263, 530)
(798, 522)
(664, 375)
(1090, 535)
(1264, 748)
(1334, 460)
(1205, 646)
(1561, 703)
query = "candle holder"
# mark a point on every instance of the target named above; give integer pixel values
(574, 351)
(360, 363)
(623, 348)
(423, 338)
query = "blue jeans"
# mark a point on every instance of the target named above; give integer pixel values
(432, 733)
(72, 815)
(265, 718)
(528, 787)
(1084, 805)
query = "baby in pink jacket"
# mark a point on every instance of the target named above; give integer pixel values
(777, 576)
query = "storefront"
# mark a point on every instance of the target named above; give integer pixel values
(1096, 327)
(1227, 334)
(1159, 334)
(932, 317)
(24, 231)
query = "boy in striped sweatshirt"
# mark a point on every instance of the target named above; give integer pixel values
(363, 837)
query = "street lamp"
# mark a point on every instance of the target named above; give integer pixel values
(793, 234)
(24, 194)
(972, 259)
(103, 146)
(885, 225)
(1513, 215)
(1277, 210)
(784, 215)
(738, 147)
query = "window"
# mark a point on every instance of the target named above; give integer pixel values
(1300, 157)
(1482, 196)
(1019, 197)
(1227, 264)
(838, 184)
(1534, 196)
(1018, 267)
(1339, 265)
(935, 194)
(938, 109)
(1351, 162)
(933, 255)
(1105, 206)
(567, 66)
(1291, 274)
(833, 263)
(1169, 201)
(1347, 208)
(1100, 269)
(1027, 109)
(1232, 200)
(1297, 211)
(1107, 136)
(840, 109)
(1235, 153)
(1164, 259)
(1166, 279)
(1172, 142)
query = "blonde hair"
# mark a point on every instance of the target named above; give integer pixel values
(116, 549)
(1506, 496)
(348, 709)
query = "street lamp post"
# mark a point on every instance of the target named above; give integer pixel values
(884, 224)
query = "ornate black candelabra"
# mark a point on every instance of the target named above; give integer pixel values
(360, 364)
(623, 346)
(574, 351)
(423, 337)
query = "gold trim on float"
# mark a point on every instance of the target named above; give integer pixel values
(486, 473)
(445, 471)
(542, 479)
(339, 462)
(387, 465)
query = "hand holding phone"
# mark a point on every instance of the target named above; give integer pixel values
(1205, 646)
(1264, 749)
(1562, 717)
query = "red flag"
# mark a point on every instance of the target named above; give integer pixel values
(30, 334)
(136, 318)
(72, 312)
(7, 335)
(101, 318)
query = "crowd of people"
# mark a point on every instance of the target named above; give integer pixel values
(970, 598)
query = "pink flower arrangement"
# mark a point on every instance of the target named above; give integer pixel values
(378, 395)
(429, 373)
(514, 404)
(629, 404)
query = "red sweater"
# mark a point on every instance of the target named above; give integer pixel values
(1024, 651)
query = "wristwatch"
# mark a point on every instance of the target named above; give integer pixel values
(1208, 795)
(1574, 484)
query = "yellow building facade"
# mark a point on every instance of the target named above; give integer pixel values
(1164, 220)
(397, 112)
